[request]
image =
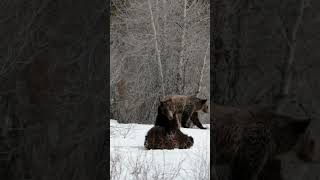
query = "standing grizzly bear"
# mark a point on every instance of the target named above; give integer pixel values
(248, 140)
(159, 138)
(185, 109)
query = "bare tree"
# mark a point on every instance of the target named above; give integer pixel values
(156, 45)
(153, 42)
(202, 69)
(290, 38)
(181, 56)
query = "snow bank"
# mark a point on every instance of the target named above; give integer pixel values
(129, 159)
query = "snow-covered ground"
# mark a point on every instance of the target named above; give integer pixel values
(130, 160)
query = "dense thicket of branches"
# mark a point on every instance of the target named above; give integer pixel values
(266, 53)
(158, 47)
(53, 70)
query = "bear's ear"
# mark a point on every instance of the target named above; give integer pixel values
(203, 101)
(161, 99)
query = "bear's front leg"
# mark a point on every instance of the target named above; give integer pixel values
(195, 120)
(185, 117)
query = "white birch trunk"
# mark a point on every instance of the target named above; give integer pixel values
(156, 47)
(202, 69)
(180, 65)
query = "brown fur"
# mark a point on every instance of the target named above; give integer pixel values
(163, 119)
(248, 139)
(181, 101)
(185, 108)
(159, 138)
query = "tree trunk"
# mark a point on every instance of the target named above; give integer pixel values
(202, 69)
(156, 46)
(290, 39)
(180, 74)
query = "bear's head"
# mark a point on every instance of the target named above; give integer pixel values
(167, 109)
(201, 105)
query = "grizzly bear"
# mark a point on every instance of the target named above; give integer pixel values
(166, 117)
(183, 108)
(159, 138)
(248, 140)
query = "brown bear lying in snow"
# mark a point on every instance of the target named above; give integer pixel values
(160, 138)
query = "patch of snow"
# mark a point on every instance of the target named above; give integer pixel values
(131, 161)
(113, 121)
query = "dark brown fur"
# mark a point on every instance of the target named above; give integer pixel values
(163, 120)
(185, 109)
(247, 140)
(159, 138)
